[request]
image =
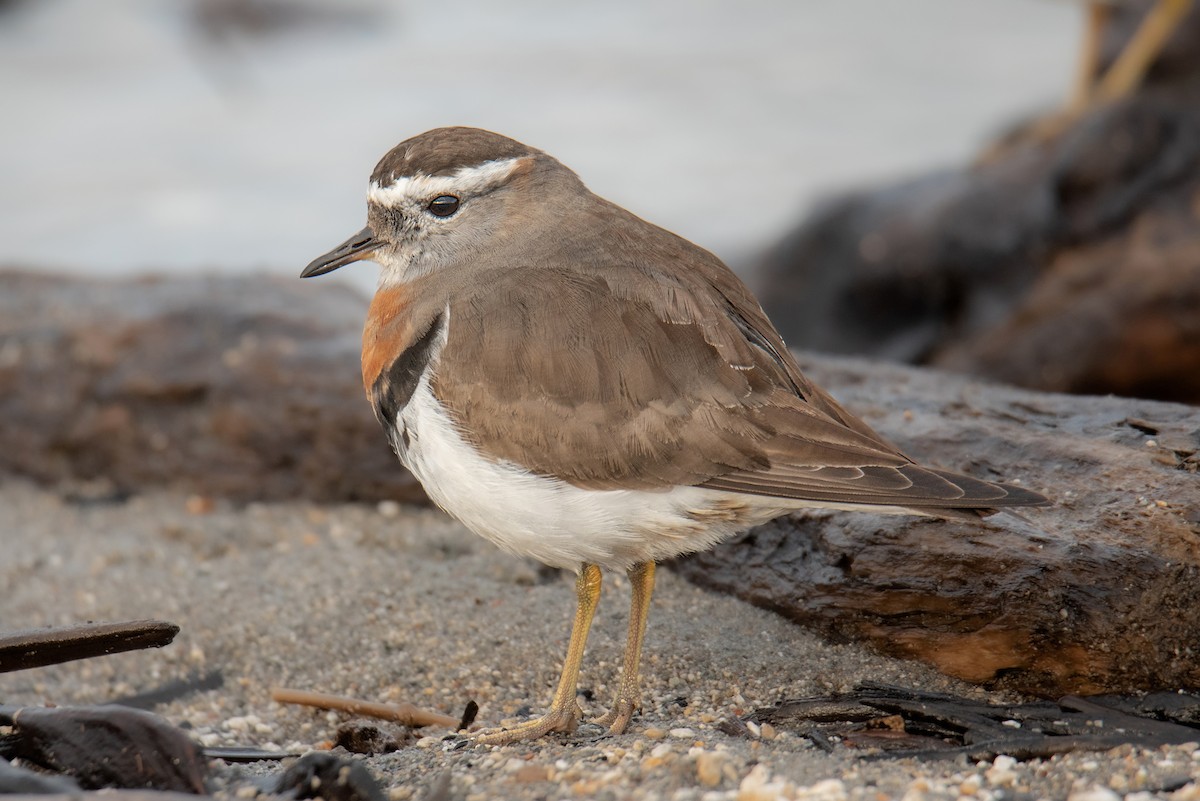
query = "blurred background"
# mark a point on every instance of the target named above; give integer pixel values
(1005, 188)
(237, 135)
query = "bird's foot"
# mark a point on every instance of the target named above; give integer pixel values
(617, 718)
(565, 719)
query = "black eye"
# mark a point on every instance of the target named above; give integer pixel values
(443, 205)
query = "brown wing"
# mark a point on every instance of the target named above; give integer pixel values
(653, 379)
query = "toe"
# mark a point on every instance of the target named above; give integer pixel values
(617, 719)
(555, 721)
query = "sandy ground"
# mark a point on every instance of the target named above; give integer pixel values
(401, 604)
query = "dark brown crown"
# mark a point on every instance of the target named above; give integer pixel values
(444, 150)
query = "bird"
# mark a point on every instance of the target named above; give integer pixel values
(580, 386)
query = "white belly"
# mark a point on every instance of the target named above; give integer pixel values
(553, 521)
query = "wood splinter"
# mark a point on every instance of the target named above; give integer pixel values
(405, 714)
(34, 648)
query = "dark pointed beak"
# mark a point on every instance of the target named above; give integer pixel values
(356, 248)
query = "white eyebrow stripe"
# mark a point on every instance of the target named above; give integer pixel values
(464, 181)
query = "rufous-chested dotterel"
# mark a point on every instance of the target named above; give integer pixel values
(585, 388)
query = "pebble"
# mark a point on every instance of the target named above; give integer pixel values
(710, 767)
(757, 786)
(918, 790)
(530, 774)
(824, 790)
(1002, 773)
(1188, 792)
(660, 750)
(1094, 793)
(970, 785)
(244, 723)
(683, 733)
(199, 505)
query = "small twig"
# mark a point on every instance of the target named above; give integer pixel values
(21, 650)
(735, 727)
(820, 740)
(247, 753)
(468, 716)
(404, 714)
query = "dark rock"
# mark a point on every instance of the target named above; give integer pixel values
(106, 746)
(320, 774)
(244, 388)
(1099, 592)
(369, 737)
(1064, 262)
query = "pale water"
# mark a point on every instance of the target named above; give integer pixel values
(130, 144)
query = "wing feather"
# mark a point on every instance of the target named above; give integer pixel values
(618, 375)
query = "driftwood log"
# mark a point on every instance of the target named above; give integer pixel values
(1064, 262)
(248, 388)
(893, 721)
(245, 388)
(1098, 593)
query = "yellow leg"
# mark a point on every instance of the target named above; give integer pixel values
(564, 711)
(1130, 67)
(629, 694)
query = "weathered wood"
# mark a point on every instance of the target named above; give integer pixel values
(1099, 592)
(244, 388)
(897, 722)
(1064, 263)
(21, 650)
(405, 714)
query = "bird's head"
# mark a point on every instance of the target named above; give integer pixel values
(448, 196)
